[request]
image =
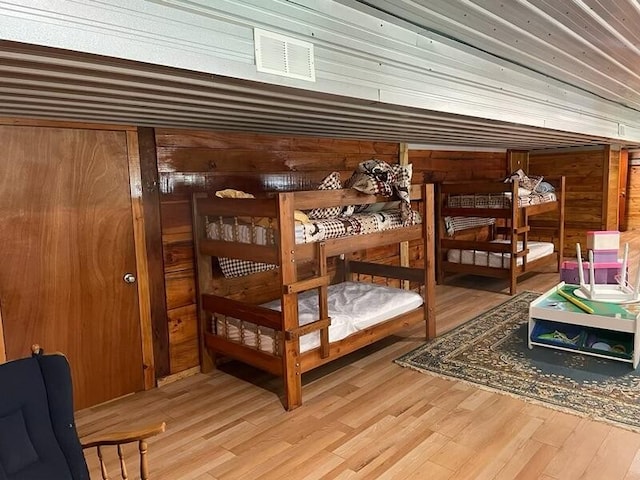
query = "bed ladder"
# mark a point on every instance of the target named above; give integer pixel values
(320, 282)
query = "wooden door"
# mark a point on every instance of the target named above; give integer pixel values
(66, 241)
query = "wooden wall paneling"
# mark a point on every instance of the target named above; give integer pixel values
(439, 166)
(176, 219)
(610, 188)
(178, 255)
(450, 166)
(142, 267)
(180, 284)
(183, 334)
(584, 169)
(193, 161)
(623, 180)
(634, 198)
(181, 290)
(262, 287)
(155, 255)
(517, 159)
(633, 191)
(174, 159)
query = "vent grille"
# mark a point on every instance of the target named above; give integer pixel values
(284, 56)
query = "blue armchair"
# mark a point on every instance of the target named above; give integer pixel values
(38, 437)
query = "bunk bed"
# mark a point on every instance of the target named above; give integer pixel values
(303, 327)
(511, 216)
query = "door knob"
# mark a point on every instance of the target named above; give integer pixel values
(129, 278)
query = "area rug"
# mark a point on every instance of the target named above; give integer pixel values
(491, 352)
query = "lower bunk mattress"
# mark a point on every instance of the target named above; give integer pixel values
(496, 259)
(353, 306)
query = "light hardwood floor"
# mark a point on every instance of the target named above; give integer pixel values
(366, 417)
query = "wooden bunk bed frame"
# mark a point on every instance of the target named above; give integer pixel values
(285, 253)
(517, 225)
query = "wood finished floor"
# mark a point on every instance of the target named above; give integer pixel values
(365, 417)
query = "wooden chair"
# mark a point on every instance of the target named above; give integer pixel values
(38, 436)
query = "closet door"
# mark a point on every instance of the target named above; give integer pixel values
(66, 244)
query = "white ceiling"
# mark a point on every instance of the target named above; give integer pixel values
(581, 43)
(590, 44)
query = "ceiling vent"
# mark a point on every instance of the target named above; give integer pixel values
(284, 56)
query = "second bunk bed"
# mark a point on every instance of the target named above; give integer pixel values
(511, 217)
(316, 313)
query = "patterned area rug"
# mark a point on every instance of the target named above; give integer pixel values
(491, 351)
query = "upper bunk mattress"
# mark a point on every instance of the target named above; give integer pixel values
(498, 200)
(313, 231)
(353, 306)
(496, 259)
(231, 230)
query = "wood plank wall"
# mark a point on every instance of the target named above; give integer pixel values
(633, 193)
(441, 165)
(459, 166)
(592, 185)
(190, 161)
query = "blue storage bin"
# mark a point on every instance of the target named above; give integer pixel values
(559, 334)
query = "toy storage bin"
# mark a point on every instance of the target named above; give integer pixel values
(554, 333)
(607, 342)
(604, 256)
(603, 240)
(604, 272)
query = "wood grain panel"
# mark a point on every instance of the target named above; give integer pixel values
(183, 336)
(191, 161)
(181, 289)
(178, 256)
(171, 159)
(610, 189)
(181, 184)
(440, 166)
(155, 257)
(239, 140)
(633, 198)
(176, 216)
(587, 187)
(142, 265)
(66, 219)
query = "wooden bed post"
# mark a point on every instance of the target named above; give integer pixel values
(291, 370)
(439, 232)
(561, 221)
(515, 223)
(204, 283)
(403, 159)
(428, 238)
(323, 307)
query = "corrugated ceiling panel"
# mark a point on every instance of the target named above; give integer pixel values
(591, 44)
(51, 84)
(390, 79)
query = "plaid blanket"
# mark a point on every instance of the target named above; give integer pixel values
(497, 200)
(456, 224)
(314, 231)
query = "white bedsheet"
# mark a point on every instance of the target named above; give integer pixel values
(496, 259)
(353, 306)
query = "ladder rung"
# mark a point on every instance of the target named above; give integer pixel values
(307, 284)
